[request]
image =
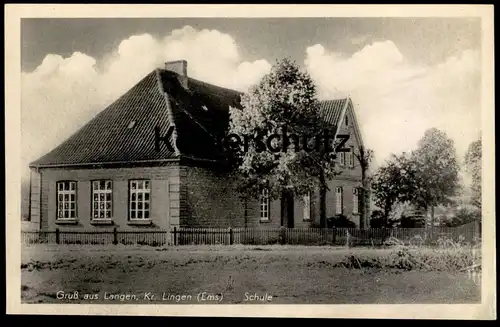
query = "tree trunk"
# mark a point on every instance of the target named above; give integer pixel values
(364, 162)
(387, 210)
(282, 209)
(366, 205)
(432, 220)
(245, 204)
(361, 205)
(432, 216)
(322, 201)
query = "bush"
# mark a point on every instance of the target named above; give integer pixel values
(464, 216)
(315, 224)
(377, 219)
(340, 221)
(449, 256)
(409, 222)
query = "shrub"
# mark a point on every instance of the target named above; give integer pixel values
(377, 219)
(411, 222)
(340, 221)
(449, 256)
(464, 216)
(315, 224)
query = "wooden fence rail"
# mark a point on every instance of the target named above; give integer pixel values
(258, 236)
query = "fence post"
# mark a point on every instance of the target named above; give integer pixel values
(334, 235)
(115, 236)
(230, 236)
(175, 235)
(57, 236)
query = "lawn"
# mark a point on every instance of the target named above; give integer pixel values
(231, 274)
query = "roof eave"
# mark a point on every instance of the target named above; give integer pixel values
(110, 163)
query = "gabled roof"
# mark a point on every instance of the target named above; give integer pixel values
(124, 131)
(332, 110)
(110, 137)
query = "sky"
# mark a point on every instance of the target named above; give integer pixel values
(404, 75)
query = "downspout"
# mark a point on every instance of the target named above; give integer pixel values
(245, 212)
(40, 203)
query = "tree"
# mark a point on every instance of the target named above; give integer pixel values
(436, 169)
(365, 157)
(280, 124)
(473, 163)
(463, 216)
(377, 219)
(392, 182)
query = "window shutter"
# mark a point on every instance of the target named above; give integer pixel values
(339, 201)
(307, 207)
(351, 157)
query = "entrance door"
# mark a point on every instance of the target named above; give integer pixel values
(287, 211)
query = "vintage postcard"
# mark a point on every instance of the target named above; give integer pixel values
(254, 161)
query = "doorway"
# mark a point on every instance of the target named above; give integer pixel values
(287, 211)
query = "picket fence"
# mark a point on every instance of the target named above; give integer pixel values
(258, 236)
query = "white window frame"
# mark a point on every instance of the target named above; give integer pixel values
(355, 200)
(66, 207)
(102, 198)
(307, 206)
(139, 202)
(265, 204)
(350, 160)
(339, 200)
(342, 158)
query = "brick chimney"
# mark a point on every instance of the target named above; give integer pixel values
(179, 67)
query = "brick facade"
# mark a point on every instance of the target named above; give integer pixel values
(180, 196)
(209, 199)
(189, 195)
(164, 197)
(186, 196)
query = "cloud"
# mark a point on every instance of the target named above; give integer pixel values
(398, 100)
(62, 94)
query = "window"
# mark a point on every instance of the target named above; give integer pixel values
(66, 200)
(139, 199)
(264, 204)
(342, 158)
(346, 120)
(339, 201)
(350, 157)
(355, 201)
(307, 206)
(102, 199)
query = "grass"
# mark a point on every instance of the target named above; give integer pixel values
(290, 274)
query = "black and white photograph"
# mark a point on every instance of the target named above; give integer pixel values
(209, 160)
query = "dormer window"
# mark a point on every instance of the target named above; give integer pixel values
(131, 124)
